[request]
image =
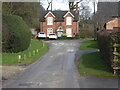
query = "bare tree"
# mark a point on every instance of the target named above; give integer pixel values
(83, 7)
(49, 3)
(72, 6)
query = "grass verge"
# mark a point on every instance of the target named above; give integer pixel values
(33, 53)
(89, 44)
(93, 65)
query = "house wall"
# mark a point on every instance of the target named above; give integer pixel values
(55, 26)
(113, 23)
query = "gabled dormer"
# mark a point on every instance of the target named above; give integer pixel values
(49, 18)
(68, 17)
(68, 14)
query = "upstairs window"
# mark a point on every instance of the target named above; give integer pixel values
(50, 21)
(69, 21)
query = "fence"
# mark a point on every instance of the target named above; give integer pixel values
(116, 61)
(25, 56)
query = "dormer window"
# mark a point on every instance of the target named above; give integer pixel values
(69, 21)
(50, 21)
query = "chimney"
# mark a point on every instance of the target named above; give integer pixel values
(77, 7)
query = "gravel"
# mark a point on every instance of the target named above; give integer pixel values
(8, 72)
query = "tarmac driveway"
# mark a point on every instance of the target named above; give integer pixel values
(57, 69)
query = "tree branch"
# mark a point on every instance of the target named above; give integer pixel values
(49, 3)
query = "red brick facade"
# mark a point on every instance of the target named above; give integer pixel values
(57, 24)
(113, 23)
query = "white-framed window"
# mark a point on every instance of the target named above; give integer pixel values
(49, 31)
(50, 21)
(69, 21)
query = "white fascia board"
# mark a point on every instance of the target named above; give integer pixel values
(68, 13)
(49, 13)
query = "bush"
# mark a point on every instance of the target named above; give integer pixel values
(16, 34)
(106, 40)
(64, 35)
(86, 29)
(85, 34)
(66, 38)
(36, 23)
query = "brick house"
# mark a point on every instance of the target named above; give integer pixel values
(59, 22)
(115, 23)
(108, 14)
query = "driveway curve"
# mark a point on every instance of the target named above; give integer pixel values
(57, 69)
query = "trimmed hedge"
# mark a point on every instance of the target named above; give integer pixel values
(67, 38)
(16, 34)
(85, 34)
(106, 40)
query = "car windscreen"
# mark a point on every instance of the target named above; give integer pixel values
(51, 34)
(41, 33)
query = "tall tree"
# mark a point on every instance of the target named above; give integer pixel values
(71, 6)
(29, 11)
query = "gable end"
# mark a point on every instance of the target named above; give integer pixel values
(49, 13)
(68, 13)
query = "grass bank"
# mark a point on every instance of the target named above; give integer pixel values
(93, 65)
(33, 53)
(89, 44)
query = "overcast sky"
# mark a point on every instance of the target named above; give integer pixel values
(57, 4)
(63, 4)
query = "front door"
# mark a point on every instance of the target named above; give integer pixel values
(69, 32)
(60, 33)
(49, 31)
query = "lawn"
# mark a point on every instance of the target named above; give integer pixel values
(89, 44)
(33, 53)
(93, 65)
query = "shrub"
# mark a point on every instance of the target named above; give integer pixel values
(36, 23)
(85, 34)
(106, 40)
(105, 46)
(86, 29)
(16, 34)
(66, 38)
(64, 35)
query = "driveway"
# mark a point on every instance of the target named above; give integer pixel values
(57, 69)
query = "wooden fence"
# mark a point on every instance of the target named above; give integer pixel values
(116, 59)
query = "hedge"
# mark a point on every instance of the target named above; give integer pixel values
(16, 34)
(85, 34)
(106, 40)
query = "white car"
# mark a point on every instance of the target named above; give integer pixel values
(53, 36)
(41, 35)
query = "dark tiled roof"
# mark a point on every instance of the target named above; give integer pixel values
(117, 16)
(109, 9)
(58, 15)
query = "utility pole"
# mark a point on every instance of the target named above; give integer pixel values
(51, 5)
(94, 23)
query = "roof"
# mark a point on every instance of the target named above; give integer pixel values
(49, 13)
(68, 13)
(59, 15)
(118, 16)
(109, 9)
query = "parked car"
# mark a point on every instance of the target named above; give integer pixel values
(53, 36)
(41, 35)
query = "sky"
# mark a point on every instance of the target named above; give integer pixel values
(57, 4)
(63, 4)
